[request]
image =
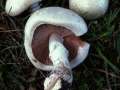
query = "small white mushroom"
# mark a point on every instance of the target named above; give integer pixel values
(15, 7)
(52, 43)
(90, 9)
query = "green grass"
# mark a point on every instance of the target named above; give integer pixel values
(100, 71)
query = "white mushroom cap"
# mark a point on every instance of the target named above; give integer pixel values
(59, 17)
(90, 9)
(15, 7)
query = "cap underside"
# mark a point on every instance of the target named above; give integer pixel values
(40, 42)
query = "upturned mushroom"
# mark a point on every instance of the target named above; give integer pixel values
(90, 9)
(52, 43)
(15, 7)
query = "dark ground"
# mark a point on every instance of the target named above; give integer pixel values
(100, 71)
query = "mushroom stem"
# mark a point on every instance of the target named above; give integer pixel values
(52, 82)
(59, 57)
(57, 52)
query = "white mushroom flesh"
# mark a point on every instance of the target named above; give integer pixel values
(59, 57)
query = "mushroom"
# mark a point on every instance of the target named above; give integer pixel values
(15, 7)
(90, 9)
(52, 43)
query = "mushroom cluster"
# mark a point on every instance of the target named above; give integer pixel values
(52, 36)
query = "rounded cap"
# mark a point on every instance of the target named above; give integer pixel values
(15, 7)
(90, 9)
(52, 17)
(59, 17)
